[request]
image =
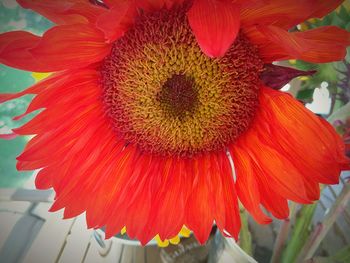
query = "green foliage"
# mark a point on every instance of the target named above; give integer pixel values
(245, 236)
(300, 233)
(12, 17)
(305, 95)
(328, 72)
(343, 255)
(12, 81)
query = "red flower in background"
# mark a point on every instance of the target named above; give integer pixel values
(156, 116)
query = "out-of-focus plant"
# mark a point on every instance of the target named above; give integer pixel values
(335, 74)
(298, 238)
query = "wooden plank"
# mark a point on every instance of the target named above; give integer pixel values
(225, 257)
(16, 239)
(152, 254)
(77, 242)
(127, 256)
(118, 247)
(51, 239)
(31, 195)
(8, 221)
(139, 254)
(96, 254)
(42, 210)
(15, 206)
(6, 193)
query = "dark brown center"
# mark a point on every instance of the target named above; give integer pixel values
(178, 96)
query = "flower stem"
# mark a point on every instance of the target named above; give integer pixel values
(282, 236)
(300, 233)
(245, 238)
(323, 227)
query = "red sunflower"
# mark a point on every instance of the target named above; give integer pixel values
(156, 116)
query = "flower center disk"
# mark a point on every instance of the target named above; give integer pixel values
(165, 95)
(178, 96)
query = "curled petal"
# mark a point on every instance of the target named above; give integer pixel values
(320, 45)
(15, 50)
(268, 50)
(285, 13)
(277, 76)
(65, 11)
(215, 24)
(61, 47)
(117, 20)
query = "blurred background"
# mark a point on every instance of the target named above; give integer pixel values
(28, 231)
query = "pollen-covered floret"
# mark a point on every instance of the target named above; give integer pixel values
(164, 94)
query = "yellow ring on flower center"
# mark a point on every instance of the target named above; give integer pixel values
(165, 95)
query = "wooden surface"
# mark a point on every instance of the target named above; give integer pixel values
(31, 234)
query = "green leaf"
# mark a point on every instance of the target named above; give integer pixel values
(300, 233)
(327, 20)
(245, 237)
(344, 14)
(305, 94)
(9, 176)
(342, 255)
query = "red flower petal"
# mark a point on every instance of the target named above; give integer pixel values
(106, 187)
(272, 201)
(199, 208)
(212, 197)
(282, 169)
(145, 182)
(175, 185)
(117, 20)
(43, 179)
(285, 119)
(268, 50)
(151, 5)
(273, 168)
(247, 186)
(320, 45)
(285, 13)
(77, 182)
(215, 24)
(61, 47)
(65, 11)
(154, 5)
(232, 217)
(322, 8)
(170, 3)
(14, 49)
(112, 215)
(65, 84)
